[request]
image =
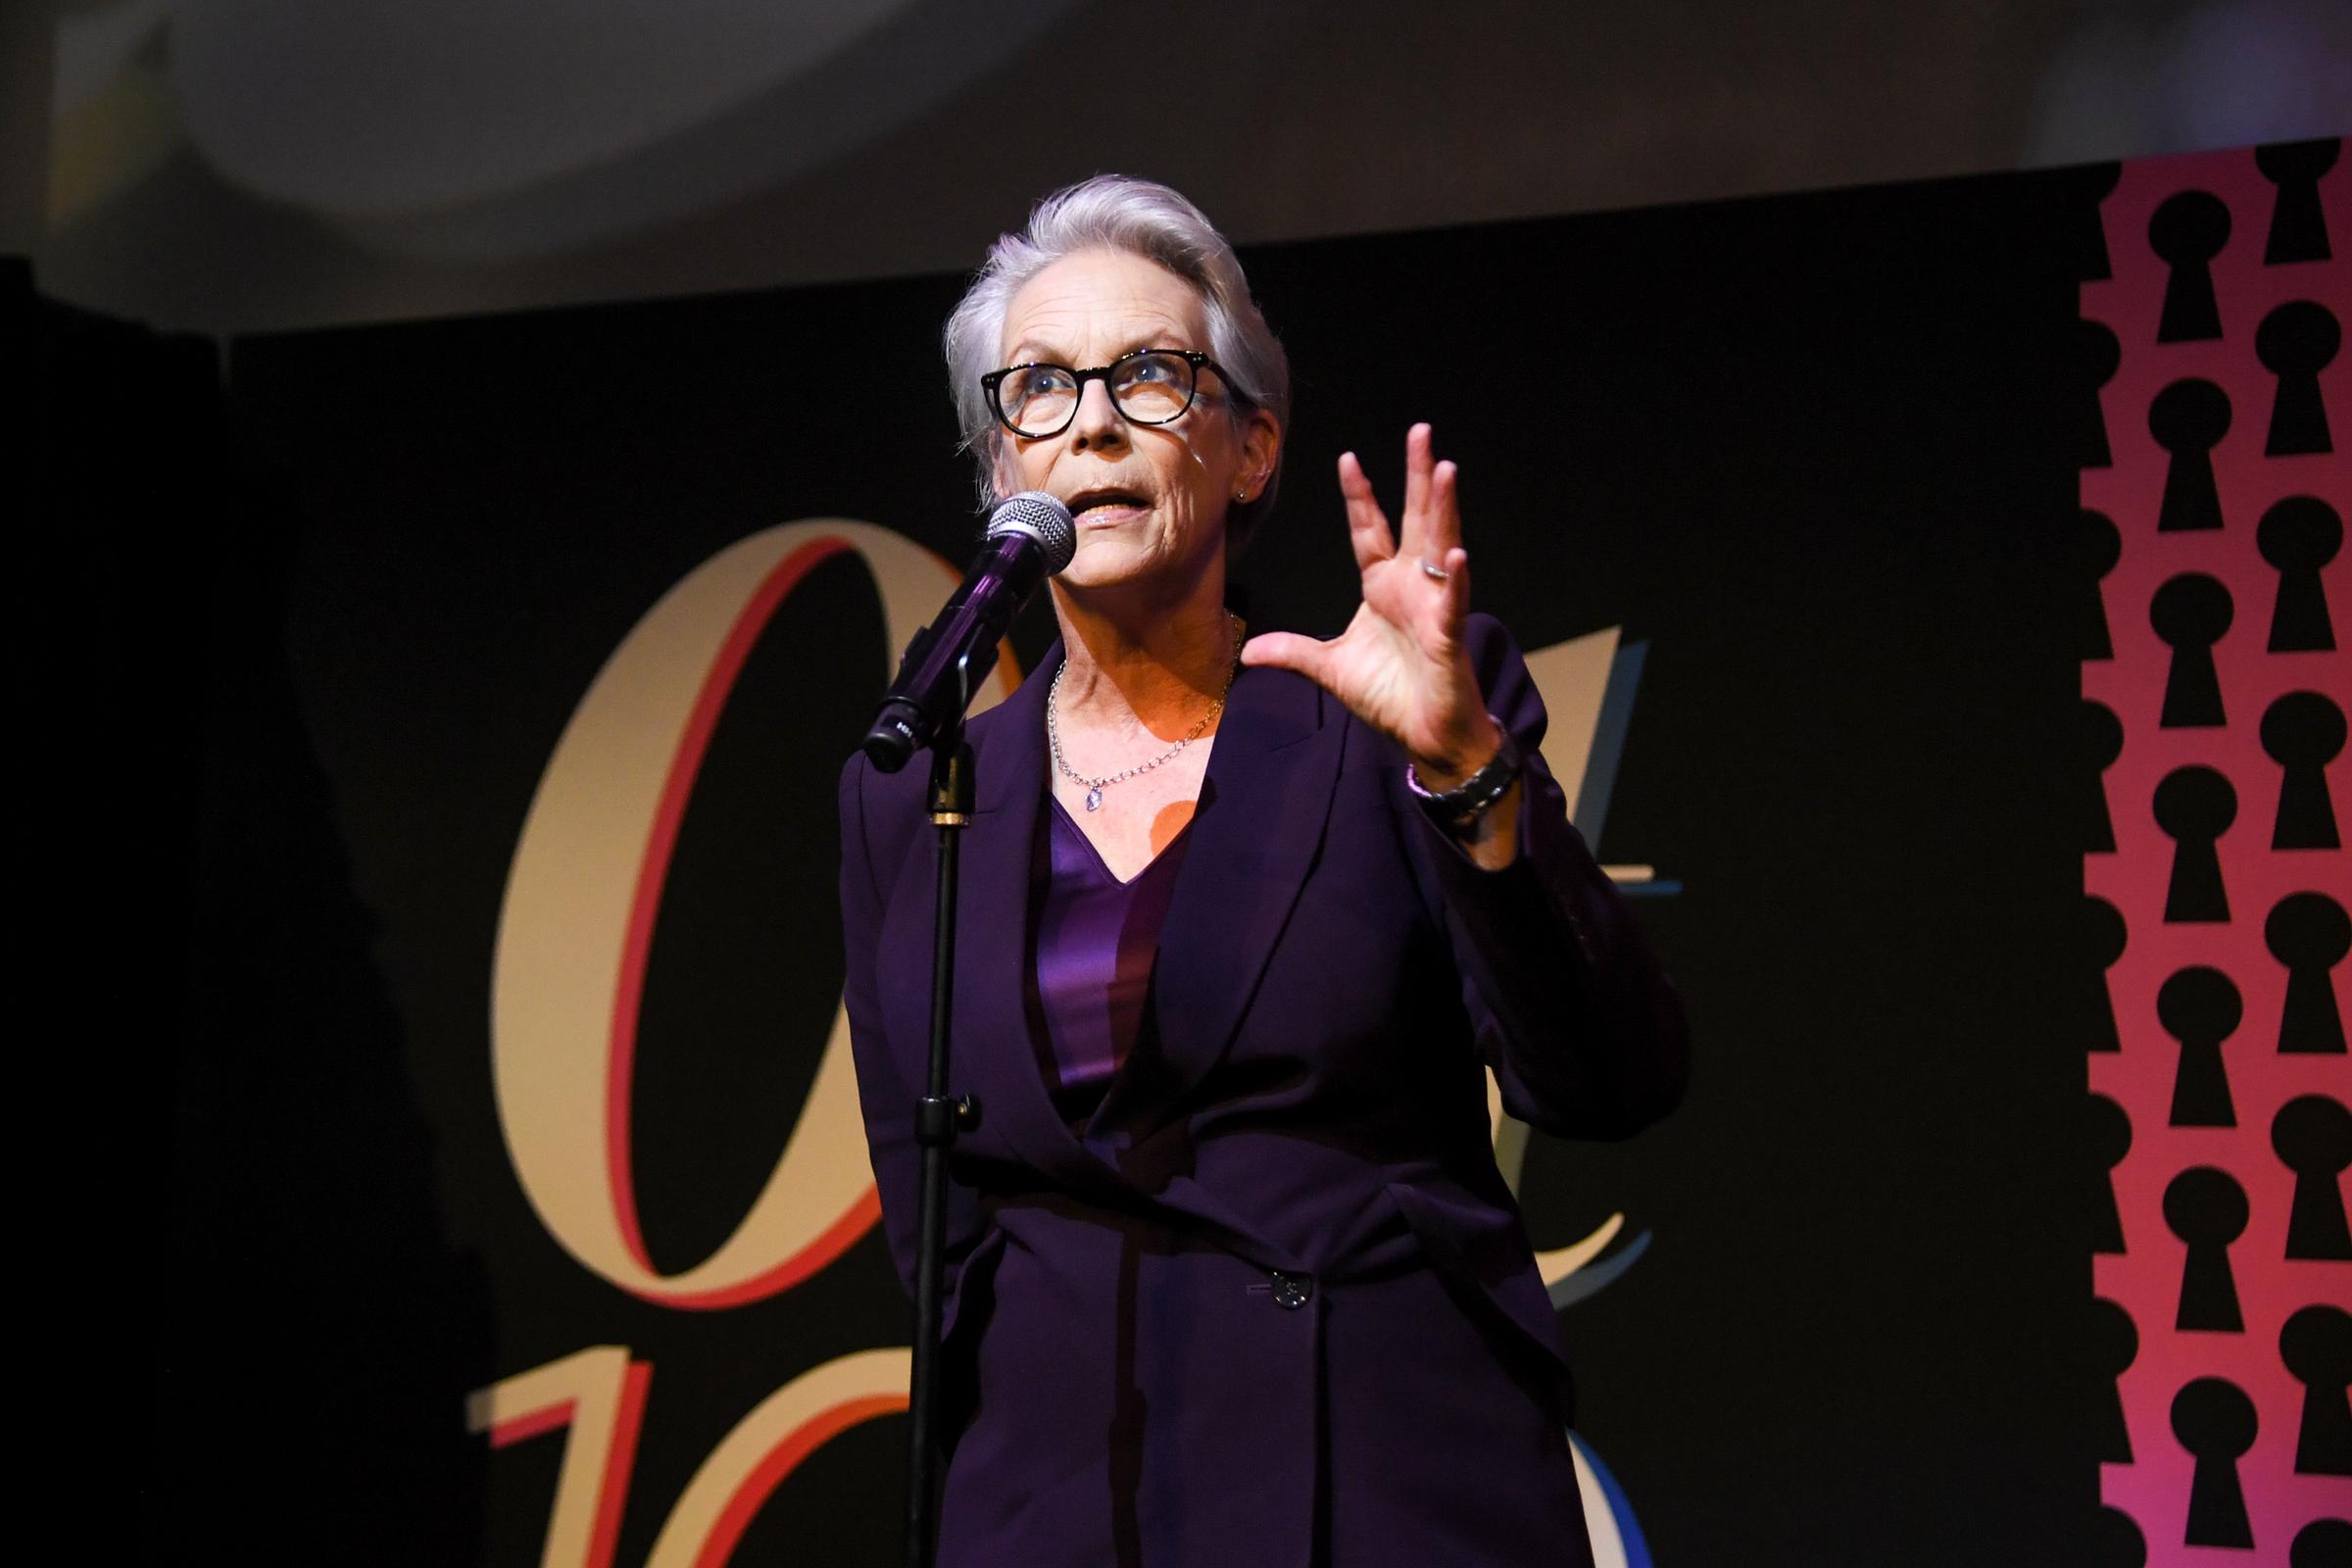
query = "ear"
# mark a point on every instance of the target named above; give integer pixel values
(1262, 449)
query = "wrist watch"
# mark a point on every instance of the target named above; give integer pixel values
(1475, 795)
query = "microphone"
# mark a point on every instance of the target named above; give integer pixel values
(1030, 537)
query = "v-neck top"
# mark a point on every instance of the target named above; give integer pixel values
(1090, 978)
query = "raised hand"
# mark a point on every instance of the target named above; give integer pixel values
(1400, 665)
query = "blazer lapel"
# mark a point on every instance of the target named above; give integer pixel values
(1263, 807)
(988, 1051)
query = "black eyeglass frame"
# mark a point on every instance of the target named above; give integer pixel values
(1196, 361)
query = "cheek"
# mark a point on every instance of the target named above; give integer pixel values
(1018, 470)
(1204, 467)
(1201, 515)
(1193, 489)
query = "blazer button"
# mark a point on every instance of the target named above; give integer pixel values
(1293, 1291)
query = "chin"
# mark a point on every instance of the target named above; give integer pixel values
(1123, 558)
(1104, 571)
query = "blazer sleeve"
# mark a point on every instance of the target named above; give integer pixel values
(1585, 1033)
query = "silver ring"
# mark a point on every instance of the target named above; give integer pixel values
(1431, 569)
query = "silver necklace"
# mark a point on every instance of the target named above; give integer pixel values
(1096, 786)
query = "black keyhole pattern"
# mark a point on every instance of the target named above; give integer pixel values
(2295, 342)
(2191, 612)
(2214, 1421)
(2312, 1136)
(2097, 353)
(2110, 1142)
(2114, 1341)
(2303, 732)
(2195, 806)
(2103, 924)
(2322, 1543)
(2188, 419)
(2102, 547)
(2102, 744)
(2206, 1208)
(2116, 1541)
(2188, 231)
(2200, 1008)
(2299, 536)
(2317, 1347)
(2310, 934)
(2298, 224)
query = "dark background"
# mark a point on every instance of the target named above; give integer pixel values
(271, 166)
(1817, 452)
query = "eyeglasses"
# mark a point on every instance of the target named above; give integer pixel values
(1149, 386)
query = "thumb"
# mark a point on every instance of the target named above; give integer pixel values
(1287, 650)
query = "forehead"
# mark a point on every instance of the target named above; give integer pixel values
(1096, 305)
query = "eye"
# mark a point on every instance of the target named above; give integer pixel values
(1037, 381)
(1153, 367)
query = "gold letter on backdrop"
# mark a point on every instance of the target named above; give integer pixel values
(584, 893)
(599, 1395)
(769, 1444)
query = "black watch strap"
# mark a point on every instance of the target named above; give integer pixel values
(1478, 793)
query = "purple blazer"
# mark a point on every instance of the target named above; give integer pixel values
(1272, 1303)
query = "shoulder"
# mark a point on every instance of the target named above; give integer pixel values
(1488, 640)
(1503, 676)
(877, 805)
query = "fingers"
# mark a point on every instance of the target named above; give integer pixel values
(1412, 529)
(1445, 510)
(1367, 526)
(1431, 523)
(1285, 649)
(1456, 600)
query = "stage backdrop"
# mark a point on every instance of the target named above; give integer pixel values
(2215, 684)
(519, 1213)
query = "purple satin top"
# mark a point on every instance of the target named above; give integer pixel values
(1096, 937)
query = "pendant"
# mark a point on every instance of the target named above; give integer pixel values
(1094, 799)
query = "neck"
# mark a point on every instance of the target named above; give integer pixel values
(1137, 659)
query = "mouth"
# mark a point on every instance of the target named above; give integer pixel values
(1105, 505)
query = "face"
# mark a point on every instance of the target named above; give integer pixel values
(1150, 499)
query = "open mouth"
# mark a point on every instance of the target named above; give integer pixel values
(1096, 501)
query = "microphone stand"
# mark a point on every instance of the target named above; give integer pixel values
(937, 1119)
(1030, 537)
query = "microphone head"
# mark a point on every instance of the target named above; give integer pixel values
(1040, 516)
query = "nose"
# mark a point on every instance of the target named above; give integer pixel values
(1099, 424)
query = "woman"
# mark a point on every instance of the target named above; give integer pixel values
(1232, 1274)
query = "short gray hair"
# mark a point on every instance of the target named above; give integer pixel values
(1112, 211)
